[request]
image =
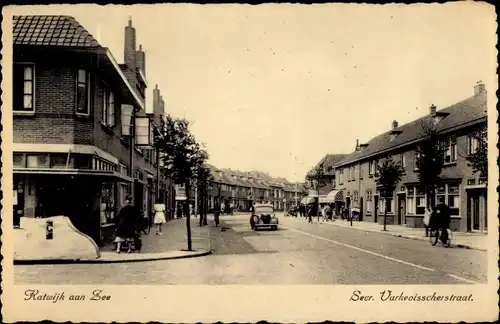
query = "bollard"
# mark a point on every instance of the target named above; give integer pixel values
(49, 230)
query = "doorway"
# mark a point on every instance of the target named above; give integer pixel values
(375, 209)
(476, 210)
(401, 210)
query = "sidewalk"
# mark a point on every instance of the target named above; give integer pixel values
(467, 240)
(171, 245)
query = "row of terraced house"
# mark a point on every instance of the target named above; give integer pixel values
(464, 191)
(81, 129)
(243, 189)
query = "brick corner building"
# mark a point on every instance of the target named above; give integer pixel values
(71, 157)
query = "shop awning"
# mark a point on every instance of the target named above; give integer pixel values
(307, 200)
(335, 195)
(73, 172)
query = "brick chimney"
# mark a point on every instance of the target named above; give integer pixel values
(394, 124)
(432, 110)
(140, 59)
(357, 145)
(479, 88)
(129, 49)
(162, 106)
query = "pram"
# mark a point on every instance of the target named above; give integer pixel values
(136, 245)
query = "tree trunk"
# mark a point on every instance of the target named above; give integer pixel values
(188, 217)
(385, 214)
(201, 199)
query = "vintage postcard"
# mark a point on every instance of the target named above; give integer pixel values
(237, 163)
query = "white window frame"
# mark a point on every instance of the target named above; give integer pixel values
(87, 85)
(472, 144)
(447, 195)
(450, 149)
(33, 89)
(108, 107)
(403, 160)
(410, 205)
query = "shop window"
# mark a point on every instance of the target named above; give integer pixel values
(58, 160)
(36, 161)
(107, 203)
(81, 161)
(18, 160)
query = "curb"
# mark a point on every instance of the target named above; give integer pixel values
(462, 246)
(102, 261)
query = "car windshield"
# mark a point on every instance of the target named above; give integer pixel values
(263, 210)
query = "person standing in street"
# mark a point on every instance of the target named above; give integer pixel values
(126, 222)
(159, 219)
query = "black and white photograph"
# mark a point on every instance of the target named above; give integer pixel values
(236, 162)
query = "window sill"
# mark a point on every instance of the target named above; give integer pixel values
(23, 113)
(83, 116)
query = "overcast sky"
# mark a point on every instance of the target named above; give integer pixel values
(276, 87)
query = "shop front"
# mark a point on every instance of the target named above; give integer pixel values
(88, 199)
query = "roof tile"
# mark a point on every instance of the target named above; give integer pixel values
(51, 30)
(459, 114)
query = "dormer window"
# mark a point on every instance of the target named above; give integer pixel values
(437, 116)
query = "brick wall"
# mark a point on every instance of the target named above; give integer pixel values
(54, 108)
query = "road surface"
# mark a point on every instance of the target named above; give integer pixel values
(298, 253)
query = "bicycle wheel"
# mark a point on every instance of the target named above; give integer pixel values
(433, 236)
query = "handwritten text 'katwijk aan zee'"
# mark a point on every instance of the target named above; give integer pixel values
(35, 294)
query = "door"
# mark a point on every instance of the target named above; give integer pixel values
(375, 209)
(475, 211)
(401, 210)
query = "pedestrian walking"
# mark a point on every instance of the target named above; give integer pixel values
(159, 219)
(427, 219)
(217, 209)
(126, 223)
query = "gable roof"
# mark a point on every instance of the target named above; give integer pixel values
(459, 115)
(51, 30)
(328, 161)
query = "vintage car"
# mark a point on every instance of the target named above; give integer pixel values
(263, 216)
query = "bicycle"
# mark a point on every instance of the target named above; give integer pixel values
(435, 236)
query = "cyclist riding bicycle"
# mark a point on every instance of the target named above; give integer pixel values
(442, 220)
